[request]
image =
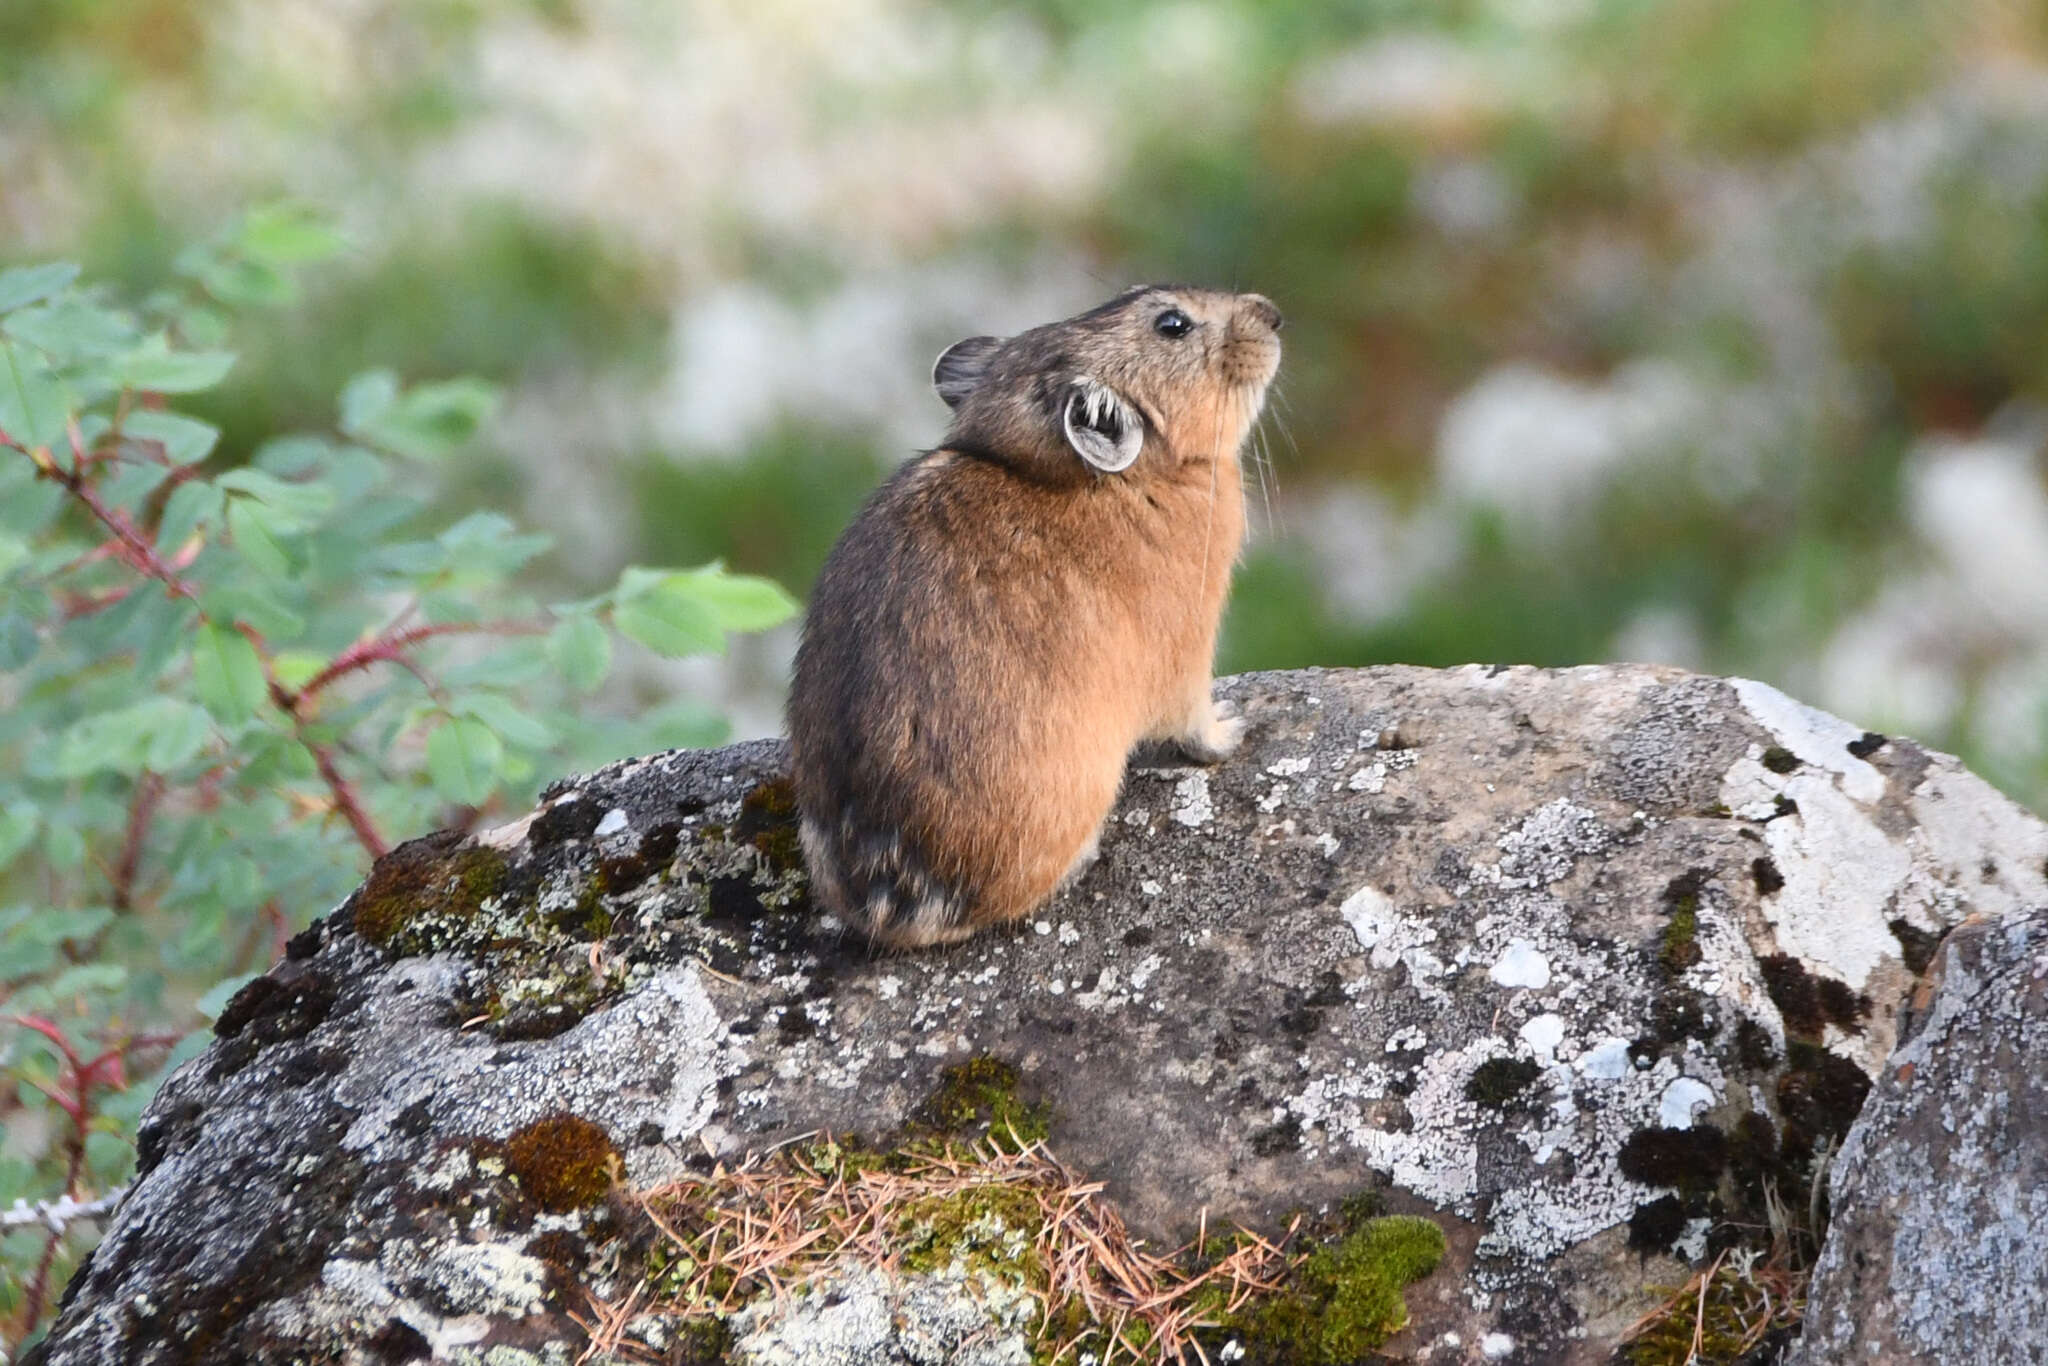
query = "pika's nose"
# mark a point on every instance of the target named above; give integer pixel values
(1264, 309)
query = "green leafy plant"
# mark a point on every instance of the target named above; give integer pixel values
(226, 687)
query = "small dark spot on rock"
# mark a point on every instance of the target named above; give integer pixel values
(1690, 1159)
(1645, 1051)
(306, 942)
(1500, 1082)
(399, 1344)
(1819, 1095)
(310, 1064)
(1782, 805)
(1808, 1002)
(1764, 871)
(1869, 743)
(1137, 937)
(656, 851)
(1753, 1046)
(795, 1024)
(575, 819)
(647, 1135)
(1681, 1014)
(288, 1004)
(562, 1161)
(1273, 1141)
(1329, 991)
(414, 1120)
(1301, 1023)
(733, 899)
(1916, 946)
(1778, 759)
(1657, 1225)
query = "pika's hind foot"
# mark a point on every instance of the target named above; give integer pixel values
(1218, 737)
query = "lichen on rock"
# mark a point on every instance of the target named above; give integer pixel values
(1572, 964)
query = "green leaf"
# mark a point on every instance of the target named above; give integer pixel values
(129, 485)
(256, 609)
(424, 422)
(177, 736)
(743, 602)
(257, 537)
(155, 368)
(190, 503)
(296, 506)
(488, 542)
(26, 284)
(463, 757)
(70, 330)
(19, 641)
(86, 979)
(242, 283)
(18, 821)
(297, 668)
(289, 234)
(158, 733)
(227, 674)
(505, 720)
(184, 439)
(665, 613)
(63, 846)
(33, 405)
(581, 650)
(366, 398)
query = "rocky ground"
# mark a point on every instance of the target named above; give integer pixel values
(1591, 969)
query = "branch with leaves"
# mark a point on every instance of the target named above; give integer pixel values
(228, 678)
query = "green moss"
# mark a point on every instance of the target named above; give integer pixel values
(979, 1098)
(1681, 939)
(562, 1161)
(420, 896)
(992, 1228)
(1498, 1082)
(1778, 759)
(768, 821)
(1346, 1299)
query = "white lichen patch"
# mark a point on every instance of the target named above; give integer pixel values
(613, 822)
(1192, 805)
(1548, 842)
(1813, 736)
(1521, 964)
(1288, 768)
(1682, 1101)
(862, 1316)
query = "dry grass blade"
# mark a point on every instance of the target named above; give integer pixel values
(780, 1218)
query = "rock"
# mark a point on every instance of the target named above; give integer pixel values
(1572, 963)
(1939, 1247)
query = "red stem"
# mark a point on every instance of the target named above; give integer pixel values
(390, 648)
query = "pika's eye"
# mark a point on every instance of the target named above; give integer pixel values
(1172, 323)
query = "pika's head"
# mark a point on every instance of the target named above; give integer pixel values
(1158, 378)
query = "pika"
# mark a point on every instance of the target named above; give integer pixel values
(1011, 613)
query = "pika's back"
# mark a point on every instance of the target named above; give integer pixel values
(1012, 611)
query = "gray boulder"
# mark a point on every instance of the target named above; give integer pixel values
(1578, 964)
(1939, 1247)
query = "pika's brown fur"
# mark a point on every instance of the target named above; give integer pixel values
(1012, 612)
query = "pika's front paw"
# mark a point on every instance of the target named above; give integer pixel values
(1219, 739)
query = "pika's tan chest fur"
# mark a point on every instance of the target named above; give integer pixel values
(1012, 612)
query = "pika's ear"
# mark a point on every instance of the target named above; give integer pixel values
(1102, 426)
(960, 367)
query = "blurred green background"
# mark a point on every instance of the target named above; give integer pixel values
(1708, 333)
